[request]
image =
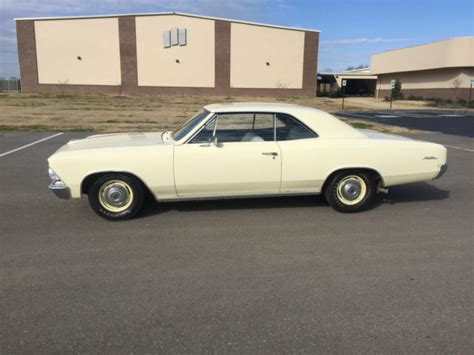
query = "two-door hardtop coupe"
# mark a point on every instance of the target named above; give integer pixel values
(242, 150)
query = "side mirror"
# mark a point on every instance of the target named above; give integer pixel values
(213, 141)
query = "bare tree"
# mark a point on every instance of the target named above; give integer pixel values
(62, 86)
(456, 84)
(360, 66)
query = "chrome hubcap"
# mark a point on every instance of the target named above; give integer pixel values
(351, 189)
(116, 195)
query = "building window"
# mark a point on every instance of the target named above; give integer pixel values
(174, 37)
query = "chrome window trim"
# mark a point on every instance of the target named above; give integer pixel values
(299, 122)
(215, 126)
(274, 127)
(274, 114)
(200, 129)
(183, 140)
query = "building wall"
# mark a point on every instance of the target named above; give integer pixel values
(126, 54)
(81, 51)
(429, 83)
(428, 70)
(450, 53)
(158, 66)
(263, 57)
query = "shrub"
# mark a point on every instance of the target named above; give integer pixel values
(415, 98)
(434, 101)
(335, 94)
(461, 102)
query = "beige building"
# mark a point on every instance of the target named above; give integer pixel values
(439, 69)
(165, 53)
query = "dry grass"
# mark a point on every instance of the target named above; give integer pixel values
(112, 113)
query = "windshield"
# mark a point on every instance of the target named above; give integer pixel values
(189, 125)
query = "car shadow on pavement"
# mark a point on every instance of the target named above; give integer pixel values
(151, 208)
(416, 192)
(399, 194)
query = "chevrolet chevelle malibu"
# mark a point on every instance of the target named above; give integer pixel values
(242, 150)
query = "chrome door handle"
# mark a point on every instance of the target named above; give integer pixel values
(273, 154)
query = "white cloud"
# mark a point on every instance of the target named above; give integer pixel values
(51, 7)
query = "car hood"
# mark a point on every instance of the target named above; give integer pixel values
(117, 140)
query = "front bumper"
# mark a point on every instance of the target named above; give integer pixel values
(442, 171)
(60, 190)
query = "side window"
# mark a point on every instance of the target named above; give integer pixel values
(288, 129)
(243, 127)
(205, 135)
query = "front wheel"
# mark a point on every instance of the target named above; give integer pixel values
(116, 196)
(350, 191)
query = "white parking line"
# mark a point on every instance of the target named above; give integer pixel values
(30, 144)
(451, 115)
(453, 147)
(386, 116)
(411, 114)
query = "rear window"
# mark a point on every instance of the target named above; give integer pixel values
(289, 128)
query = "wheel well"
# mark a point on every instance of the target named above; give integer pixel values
(374, 173)
(90, 179)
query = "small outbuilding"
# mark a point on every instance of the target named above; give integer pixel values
(358, 82)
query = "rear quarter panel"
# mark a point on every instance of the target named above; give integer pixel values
(306, 164)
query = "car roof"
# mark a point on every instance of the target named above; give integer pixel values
(256, 107)
(323, 123)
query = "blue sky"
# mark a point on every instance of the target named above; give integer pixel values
(351, 30)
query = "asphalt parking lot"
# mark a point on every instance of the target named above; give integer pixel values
(426, 120)
(280, 275)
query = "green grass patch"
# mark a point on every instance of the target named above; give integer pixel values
(41, 128)
(80, 129)
(361, 125)
(33, 128)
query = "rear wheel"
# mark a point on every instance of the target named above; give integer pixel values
(116, 196)
(350, 191)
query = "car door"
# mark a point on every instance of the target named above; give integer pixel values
(234, 154)
(301, 155)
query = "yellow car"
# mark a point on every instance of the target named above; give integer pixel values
(242, 150)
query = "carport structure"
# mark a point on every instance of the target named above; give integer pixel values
(359, 82)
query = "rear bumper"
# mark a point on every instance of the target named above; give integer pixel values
(442, 171)
(61, 191)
